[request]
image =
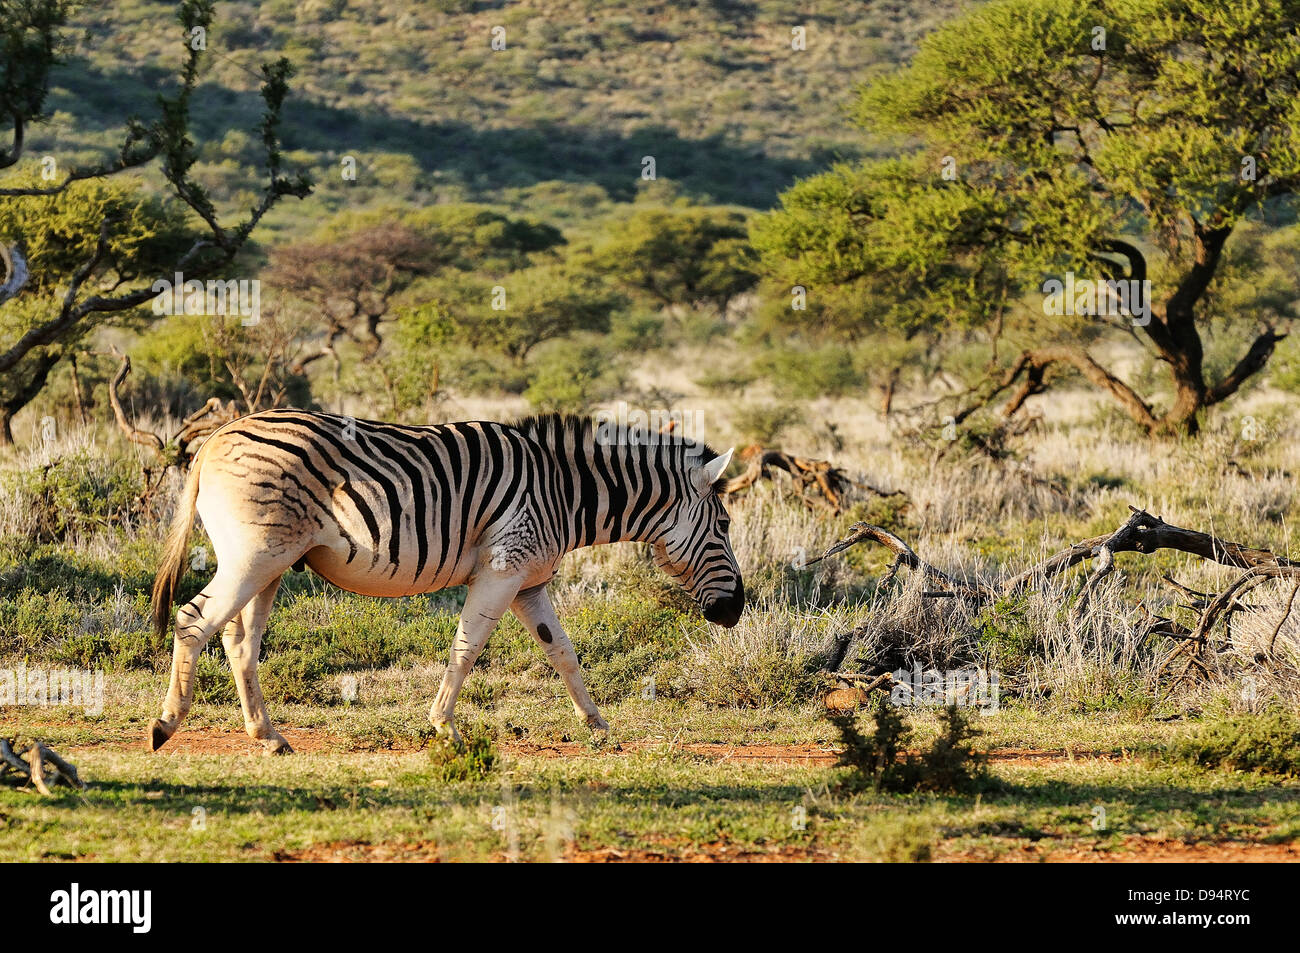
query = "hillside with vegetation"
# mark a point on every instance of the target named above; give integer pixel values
(837, 267)
(556, 124)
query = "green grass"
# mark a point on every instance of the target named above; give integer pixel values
(1268, 743)
(654, 801)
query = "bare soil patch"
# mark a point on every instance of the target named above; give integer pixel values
(206, 740)
(782, 754)
(718, 852)
(221, 740)
(1144, 850)
(359, 851)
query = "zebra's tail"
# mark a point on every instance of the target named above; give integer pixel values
(172, 568)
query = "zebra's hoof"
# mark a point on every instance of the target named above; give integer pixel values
(276, 745)
(599, 730)
(448, 734)
(158, 735)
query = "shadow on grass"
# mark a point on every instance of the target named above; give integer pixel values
(48, 570)
(411, 793)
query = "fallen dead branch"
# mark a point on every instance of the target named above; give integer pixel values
(905, 557)
(35, 763)
(817, 482)
(176, 450)
(1140, 533)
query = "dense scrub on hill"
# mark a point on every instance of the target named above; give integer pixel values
(583, 90)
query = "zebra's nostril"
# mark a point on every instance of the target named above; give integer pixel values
(726, 611)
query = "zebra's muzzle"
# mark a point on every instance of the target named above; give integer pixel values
(727, 610)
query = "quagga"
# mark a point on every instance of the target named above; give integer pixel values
(389, 510)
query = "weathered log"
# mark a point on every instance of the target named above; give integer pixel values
(829, 482)
(1141, 533)
(1144, 533)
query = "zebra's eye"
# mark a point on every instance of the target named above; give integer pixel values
(724, 525)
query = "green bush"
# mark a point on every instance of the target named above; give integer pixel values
(620, 643)
(1006, 636)
(473, 760)
(56, 627)
(298, 677)
(78, 491)
(880, 761)
(746, 668)
(572, 378)
(213, 682)
(1268, 743)
(802, 373)
(763, 424)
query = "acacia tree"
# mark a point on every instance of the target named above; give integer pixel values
(352, 282)
(108, 276)
(1118, 139)
(526, 309)
(681, 255)
(141, 234)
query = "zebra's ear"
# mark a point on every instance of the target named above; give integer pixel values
(712, 471)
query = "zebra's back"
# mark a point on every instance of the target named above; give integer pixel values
(374, 507)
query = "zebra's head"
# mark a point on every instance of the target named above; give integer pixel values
(694, 547)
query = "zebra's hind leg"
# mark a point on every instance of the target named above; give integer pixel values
(486, 602)
(534, 609)
(242, 639)
(196, 622)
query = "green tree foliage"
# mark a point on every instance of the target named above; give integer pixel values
(426, 278)
(464, 236)
(513, 315)
(681, 255)
(100, 247)
(572, 377)
(59, 232)
(31, 40)
(352, 282)
(1118, 139)
(142, 232)
(185, 359)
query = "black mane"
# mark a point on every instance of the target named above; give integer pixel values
(541, 426)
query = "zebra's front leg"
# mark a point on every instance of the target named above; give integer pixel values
(487, 600)
(534, 609)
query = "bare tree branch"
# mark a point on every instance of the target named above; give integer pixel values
(1140, 533)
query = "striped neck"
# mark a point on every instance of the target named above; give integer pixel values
(617, 485)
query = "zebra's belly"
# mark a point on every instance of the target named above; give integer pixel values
(369, 577)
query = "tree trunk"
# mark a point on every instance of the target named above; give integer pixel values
(1173, 332)
(1178, 339)
(76, 391)
(17, 400)
(887, 390)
